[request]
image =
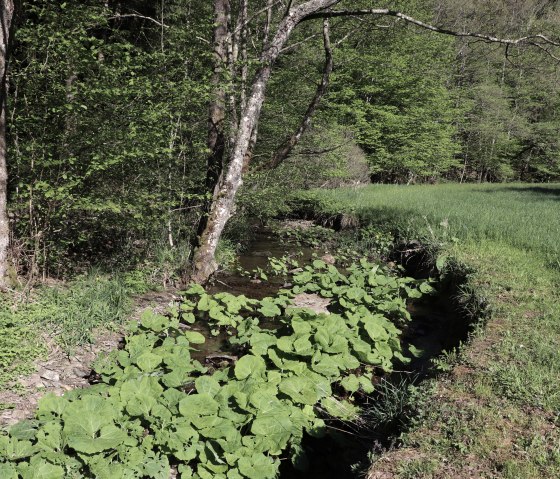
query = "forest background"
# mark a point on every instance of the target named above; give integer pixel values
(107, 119)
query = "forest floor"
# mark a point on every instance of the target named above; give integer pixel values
(494, 409)
(58, 369)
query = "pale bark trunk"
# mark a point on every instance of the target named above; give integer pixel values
(224, 201)
(217, 110)
(6, 15)
(291, 142)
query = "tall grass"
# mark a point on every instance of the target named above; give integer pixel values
(521, 215)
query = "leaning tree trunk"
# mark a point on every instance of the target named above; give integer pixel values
(6, 15)
(224, 200)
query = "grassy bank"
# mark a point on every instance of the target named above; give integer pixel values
(70, 314)
(495, 411)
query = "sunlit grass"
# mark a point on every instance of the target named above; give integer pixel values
(521, 215)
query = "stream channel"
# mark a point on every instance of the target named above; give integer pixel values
(436, 326)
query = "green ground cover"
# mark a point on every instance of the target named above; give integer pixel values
(70, 313)
(525, 216)
(158, 409)
(495, 411)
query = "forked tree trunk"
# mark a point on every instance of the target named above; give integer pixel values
(217, 110)
(6, 15)
(223, 205)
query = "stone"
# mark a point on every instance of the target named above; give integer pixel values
(314, 302)
(50, 375)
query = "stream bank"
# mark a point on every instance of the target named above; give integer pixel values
(439, 324)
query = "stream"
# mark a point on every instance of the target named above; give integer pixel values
(436, 326)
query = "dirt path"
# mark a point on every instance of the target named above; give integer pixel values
(60, 373)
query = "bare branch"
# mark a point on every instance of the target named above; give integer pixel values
(268, 22)
(288, 8)
(286, 148)
(322, 151)
(255, 15)
(535, 40)
(547, 51)
(293, 46)
(137, 15)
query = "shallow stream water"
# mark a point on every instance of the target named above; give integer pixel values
(435, 327)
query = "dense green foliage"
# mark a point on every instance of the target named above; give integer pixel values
(102, 157)
(156, 407)
(108, 105)
(392, 90)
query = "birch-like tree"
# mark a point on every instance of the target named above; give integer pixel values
(6, 16)
(280, 20)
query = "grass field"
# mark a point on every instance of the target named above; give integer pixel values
(496, 414)
(520, 215)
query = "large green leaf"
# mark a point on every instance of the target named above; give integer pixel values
(51, 405)
(194, 337)
(207, 385)
(375, 329)
(24, 430)
(249, 365)
(15, 449)
(257, 466)
(41, 469)
(198, 405)
(109, 437)
(276, 426)
(301, 390)
(148, 361)
(269, 309)
(9, 471)
(49, 437)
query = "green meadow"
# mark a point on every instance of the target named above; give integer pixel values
(526, 216)
(494, 409)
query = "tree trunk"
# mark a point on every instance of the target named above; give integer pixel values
(6, 15)
(223, 205)
(217, 110)
(291, 142)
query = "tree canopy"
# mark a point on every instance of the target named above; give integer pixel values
(107, 113)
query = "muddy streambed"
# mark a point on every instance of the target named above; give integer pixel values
(436, 326)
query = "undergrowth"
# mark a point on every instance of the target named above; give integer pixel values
(156, 409)
(70, 313)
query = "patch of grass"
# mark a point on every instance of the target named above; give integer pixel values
(226, 253)
(416, 468)
(520, 215)
(19, 344)
(73, 313)
(494, 412)
(70, 313)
